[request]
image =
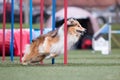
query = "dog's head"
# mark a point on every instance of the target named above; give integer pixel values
(74, 27)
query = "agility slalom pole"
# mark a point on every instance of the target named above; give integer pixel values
(53, 20)
(12, 30)
(4, 27)
(20, 30)
(65, 31)
(41, 18)
(30, 21)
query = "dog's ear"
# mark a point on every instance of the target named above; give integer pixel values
(71, 25)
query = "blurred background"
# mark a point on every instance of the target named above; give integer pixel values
(99, 9)
(92, 14)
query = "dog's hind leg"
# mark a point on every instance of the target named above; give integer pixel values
(37, 58)
(28, 57)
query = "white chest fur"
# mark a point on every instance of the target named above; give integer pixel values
(58, 48)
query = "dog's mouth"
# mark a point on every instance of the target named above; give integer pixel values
(81, 32)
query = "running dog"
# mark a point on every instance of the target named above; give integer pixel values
(51, 44)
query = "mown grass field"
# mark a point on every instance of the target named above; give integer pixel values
(82, 65)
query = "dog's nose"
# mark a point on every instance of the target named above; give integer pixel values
(85, 30)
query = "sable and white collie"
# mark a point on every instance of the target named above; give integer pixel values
(51, 44)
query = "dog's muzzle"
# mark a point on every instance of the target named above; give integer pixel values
(82, 32)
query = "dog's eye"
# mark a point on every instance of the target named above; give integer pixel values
(78, 26)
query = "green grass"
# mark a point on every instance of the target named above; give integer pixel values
(82, 65)
(115, 26)
(17, 26)
(115, 37)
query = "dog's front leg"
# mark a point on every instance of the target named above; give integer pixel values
(52, 55)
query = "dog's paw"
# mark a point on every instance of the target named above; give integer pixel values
(24, 63)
